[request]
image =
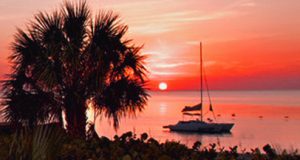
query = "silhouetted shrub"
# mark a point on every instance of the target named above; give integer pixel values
(128, 147)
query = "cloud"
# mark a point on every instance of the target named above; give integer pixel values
(176, 17)
(150, 29)
(167, 73)
(193, 43)
(155, 17)
(239, 4)
(174, 65)
(161, 23)
(136, 4)
(209, 63)
(181, 64)
(248, 4)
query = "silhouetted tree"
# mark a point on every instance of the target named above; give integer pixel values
(68, 57)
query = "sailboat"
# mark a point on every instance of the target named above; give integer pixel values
(199, 125)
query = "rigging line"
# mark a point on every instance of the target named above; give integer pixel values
(213, 115)
(206, 85)
(206, 113)
(207, 89)
(201, 81)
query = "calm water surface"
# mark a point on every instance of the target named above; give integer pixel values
(260, 118)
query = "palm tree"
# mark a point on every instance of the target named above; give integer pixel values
(68, 57)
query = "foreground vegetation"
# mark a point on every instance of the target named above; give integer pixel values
(53, 143)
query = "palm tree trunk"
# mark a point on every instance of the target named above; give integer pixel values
(60, 118)
(75, 115)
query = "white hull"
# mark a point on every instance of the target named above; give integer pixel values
(201, 127)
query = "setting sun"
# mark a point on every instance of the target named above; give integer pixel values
(162, 86)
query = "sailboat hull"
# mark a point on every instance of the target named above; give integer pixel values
(200, 127)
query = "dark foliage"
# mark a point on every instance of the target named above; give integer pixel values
(68, 57)
(46, 143)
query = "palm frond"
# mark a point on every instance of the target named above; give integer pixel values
(24, 103)
(122, 98)
(132, 65)
(25, 48)
(76, 18)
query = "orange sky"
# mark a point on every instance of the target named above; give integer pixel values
(247, 44)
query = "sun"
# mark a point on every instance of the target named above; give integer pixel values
(163, 86)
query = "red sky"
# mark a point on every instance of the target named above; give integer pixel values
(247, 44)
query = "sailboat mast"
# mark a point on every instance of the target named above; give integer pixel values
(201, 82)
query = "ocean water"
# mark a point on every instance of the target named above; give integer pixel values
(261, 117)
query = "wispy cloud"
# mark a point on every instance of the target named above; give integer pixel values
(248, 4)
(172, 21)
(136, 4)
(240, 3)
(153, 17)
(175, 65)
(194, 43)
(182, 17)
(165, 73)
